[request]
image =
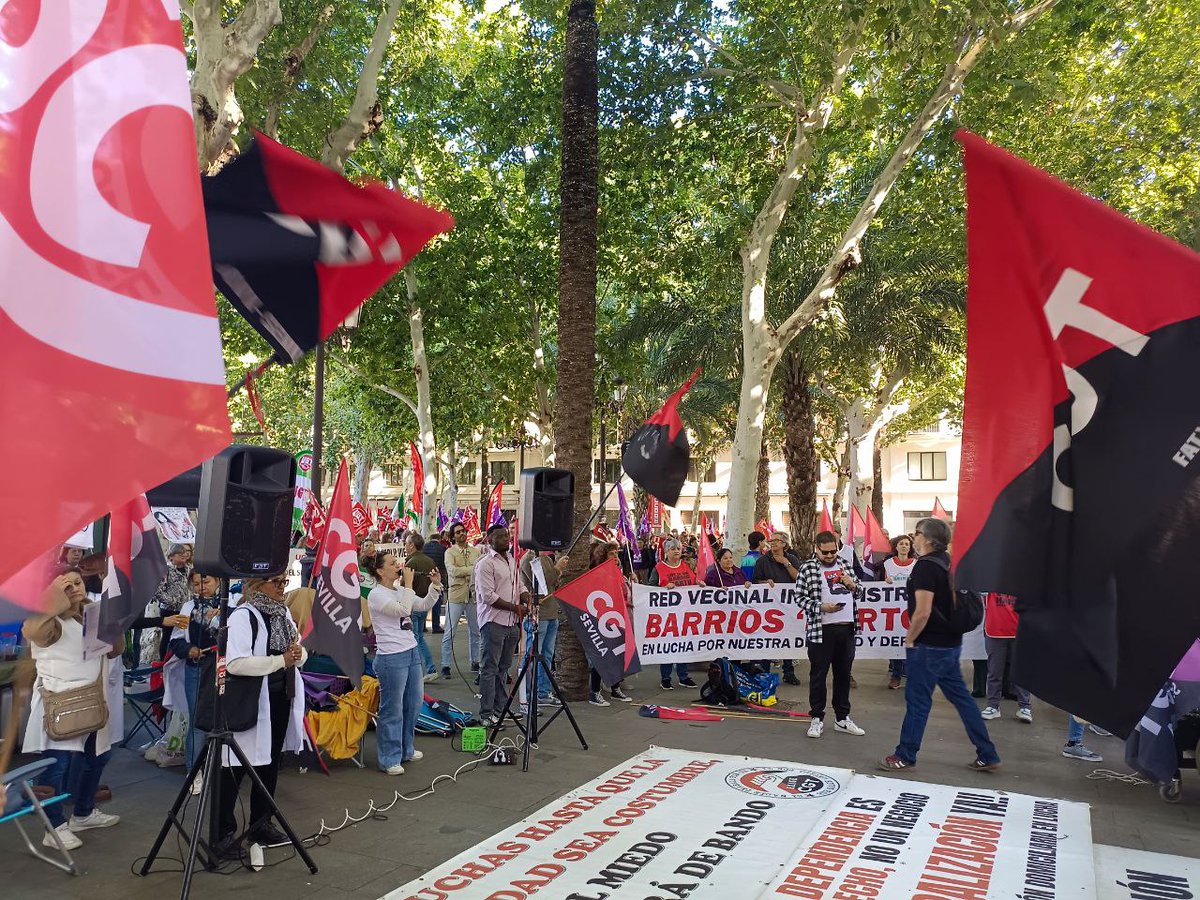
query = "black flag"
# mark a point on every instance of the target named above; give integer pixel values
(657, 455)
(296, 247)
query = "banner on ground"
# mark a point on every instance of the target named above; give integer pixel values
(755, 621)
(674, 823)
(1123, 874)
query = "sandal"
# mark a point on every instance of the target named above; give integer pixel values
(980, 766)
(894, 764)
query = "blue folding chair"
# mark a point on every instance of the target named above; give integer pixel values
(142, 698)
(22, 779)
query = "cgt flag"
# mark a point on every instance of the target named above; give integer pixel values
(297, 247)
(111, 362)
(595, 603)
(1078, 492)
(333, 627)
(136, 567)
(658, 454)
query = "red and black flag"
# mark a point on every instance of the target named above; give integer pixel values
(1078, 492)
(333, 628)
(658, 454)
(136, 568)
(595, 604)
(297, 247)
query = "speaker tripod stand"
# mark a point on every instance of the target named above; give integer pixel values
(528, 675)
(208, 767)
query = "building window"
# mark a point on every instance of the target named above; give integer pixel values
(927, 466)
(393, 473)
(506, 469)
(468, 472)
(612, 471)
(709, 474)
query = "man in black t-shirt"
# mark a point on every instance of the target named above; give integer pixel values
(934, 648)
(780, 565)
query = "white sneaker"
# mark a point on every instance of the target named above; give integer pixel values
(69, 839)
(1024, 714)
(847, 726)
(167, 760)
(197, 784)
(990, 712)
(417, 755)
(94, 819)
(431, 677)
(397, 769)
(815, 728)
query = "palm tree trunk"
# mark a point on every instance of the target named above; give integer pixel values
(877, 485)
(799, 453)
(762, 490)
(576, 388)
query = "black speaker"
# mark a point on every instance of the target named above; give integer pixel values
(245, 518)
(547, 513)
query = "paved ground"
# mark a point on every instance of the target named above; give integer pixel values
(368, 860)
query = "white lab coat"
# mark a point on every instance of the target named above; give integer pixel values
(256, 742)
(61, 667)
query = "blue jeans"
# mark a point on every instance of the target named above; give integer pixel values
(400, 695)
(547, 638)
(455, 611)
(1074, 730)
(664, 671)
(896, 668)
(191, 688)
(418, 621)
(77, 774)
(927, 668)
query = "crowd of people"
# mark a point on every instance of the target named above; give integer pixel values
(411, 585)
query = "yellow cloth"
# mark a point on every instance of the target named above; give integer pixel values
(338, 731)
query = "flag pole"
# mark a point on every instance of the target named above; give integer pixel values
(318, 418)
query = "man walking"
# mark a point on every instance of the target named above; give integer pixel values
(829, 596)
(460, 566)
(779, 565)
(934, 648)
(500, 610)
(544, 572)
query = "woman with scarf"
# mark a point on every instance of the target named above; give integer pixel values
(262, 642)
(397, 660)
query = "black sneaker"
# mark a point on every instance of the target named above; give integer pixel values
(268, 835)
(474, 667)
(618, 694)
(790, 679)
(445, 673)
(687, 682)
(228, 848)
(666, 685)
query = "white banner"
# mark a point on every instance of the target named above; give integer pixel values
(1123, 874)
(175, 524)
(754, 621)
(678, 824)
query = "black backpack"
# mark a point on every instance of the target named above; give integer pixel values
(967, 610)
(239, 704)
(721, 689)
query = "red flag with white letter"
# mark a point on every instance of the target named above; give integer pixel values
(111, 376)
(333, 627)
(595, 602)
(1079, 492)
(136, 567)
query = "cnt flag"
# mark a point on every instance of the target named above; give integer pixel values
(297, 247)
(1082, 333)
(595, 602)
(333, 627)
(876, 543)
(658, 454)
(111, 361)
(136, 567)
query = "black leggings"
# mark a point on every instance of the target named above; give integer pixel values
(596, 682)
(231, 776)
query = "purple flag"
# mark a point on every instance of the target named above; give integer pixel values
(644, 525)
(442, 521)
(458, 515)
(625, 533)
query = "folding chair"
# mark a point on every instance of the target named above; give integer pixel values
(23, 779)
(143, 699)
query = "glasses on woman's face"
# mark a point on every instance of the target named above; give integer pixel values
(278, 582)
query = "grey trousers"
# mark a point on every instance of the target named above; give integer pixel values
(999, 655)
(499, 643)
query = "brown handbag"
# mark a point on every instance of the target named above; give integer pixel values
(74, 713)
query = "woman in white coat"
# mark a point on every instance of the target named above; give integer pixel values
(57, 644)
(397, 659)
(270, 649)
